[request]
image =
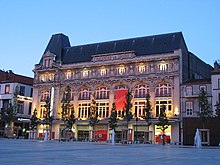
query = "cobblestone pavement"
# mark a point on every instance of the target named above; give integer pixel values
(22, 152)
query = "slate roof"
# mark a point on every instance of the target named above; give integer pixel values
(148, 45)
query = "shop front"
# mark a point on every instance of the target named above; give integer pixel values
(159, 135)
(101, 133)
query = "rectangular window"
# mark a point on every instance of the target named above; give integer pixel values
(219, 83)
(31, 94)
(83, 111)
(7, 89)
(219, 97)
(21, 107)
(159, 105)
(189, 90)
(22, 91)
(46, 63)
(5, 103)
(139, 108)
(189, 108)
(103, 110)
(29, 109)
(43, 111)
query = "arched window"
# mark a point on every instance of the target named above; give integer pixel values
(141, 91)
(84, 94)
(102, 93)
(45, 95)
(163, 90)
(141, 68)
(103, 72)
(68, 75)
(121, 70)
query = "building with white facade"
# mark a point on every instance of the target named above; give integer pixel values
(8, 82)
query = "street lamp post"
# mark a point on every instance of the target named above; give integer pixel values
(136, 129)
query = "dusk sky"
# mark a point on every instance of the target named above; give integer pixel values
(26, 26)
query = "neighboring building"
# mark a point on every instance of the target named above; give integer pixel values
(190, 107)
(215, 78)
(8, 83)
(155, 65)
(190, 96)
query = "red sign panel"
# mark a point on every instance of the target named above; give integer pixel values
(120, 98)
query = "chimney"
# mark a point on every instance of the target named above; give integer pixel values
(216, 66)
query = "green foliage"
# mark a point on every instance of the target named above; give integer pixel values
(127, 108)
(8, 114)
(34, 120)
(163, 122)
(66, 103)
(217, 110)
(205, 110)
(148, 109)
(113, 118)
(49, 117)
(93, 116)
(70, 120)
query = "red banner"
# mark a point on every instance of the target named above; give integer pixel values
(101, 135)
(120, 98)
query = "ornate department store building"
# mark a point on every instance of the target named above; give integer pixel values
(156, 65)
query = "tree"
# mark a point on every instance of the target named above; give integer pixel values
(34, 120)
(48, 119)
(70, 120)
(205, 110)
(67, 113)
(8, 114)
(217, 110)
(148, 109)
(66, 103)
(163, 122)
(127, 108)
(113, 118)
(93, 114)
(33, 125)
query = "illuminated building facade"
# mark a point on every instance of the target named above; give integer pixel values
(156, 65)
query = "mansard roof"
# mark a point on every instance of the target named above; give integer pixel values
(148, 45)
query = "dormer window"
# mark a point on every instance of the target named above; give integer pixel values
(46, 63)
(48, 59)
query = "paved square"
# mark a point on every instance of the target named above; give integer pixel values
(21, 152)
